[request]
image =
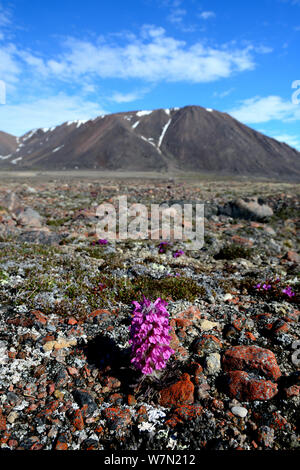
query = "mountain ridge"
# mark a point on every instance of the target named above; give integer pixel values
(191, 138)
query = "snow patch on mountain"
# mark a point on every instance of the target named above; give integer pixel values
(165, 128)
(143, 113)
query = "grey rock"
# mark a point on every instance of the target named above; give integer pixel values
(266, 436)
(43, 237)
(83, 397)
(29, 217)
(251, 208)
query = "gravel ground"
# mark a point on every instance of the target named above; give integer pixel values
(66, 380)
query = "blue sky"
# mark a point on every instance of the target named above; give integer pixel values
(68, 59)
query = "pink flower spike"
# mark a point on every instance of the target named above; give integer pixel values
(149, 336)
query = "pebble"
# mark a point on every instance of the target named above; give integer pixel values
(11, 418)
(227, 296)
(213, 363)
(239, 411)
(207, 325)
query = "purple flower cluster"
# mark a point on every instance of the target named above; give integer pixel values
(275, 285)
(101, 241)
(263, 286)
(150, 336)
(178, 253)
(162, 247)
(288, 291)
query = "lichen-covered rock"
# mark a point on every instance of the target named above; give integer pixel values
(180, 393)
(251, 358)
(246, 387)
(118, 419)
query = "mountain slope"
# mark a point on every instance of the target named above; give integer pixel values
(8, 145)
(189, 139)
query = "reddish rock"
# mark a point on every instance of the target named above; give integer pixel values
(250, 335)
(20, 321)
(206, 344)
(192, 314)
(11, 354)
(292, 391)
(278, 421)
(12, 443)
(197, 372)
(2, 421)
(183, 414)
(173, 421)
(61, 443)
(131, 400)
(51, 407)
(188, 412)
(256, 225)
(30, 390)
(280, 327)
(101, 315)
(142, 414)
(99, 430)
(32, 407)
(118, 419)
(180, 325)
(78, 420)
(245, 387)
(217, 404)
(37, 446)
(180, 352)
(110, 383)
(39, 317)
(72, 371)
(4, 437)
(241, 240)
(180, 393)
(47, 339)
(252, 358)
(116, 398)
(293, 256)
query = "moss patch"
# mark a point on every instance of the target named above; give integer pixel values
(234, 251)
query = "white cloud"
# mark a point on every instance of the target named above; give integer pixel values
(5, 17)
(33, 62)
(292, 140)
(154, 56)
(205, 15)
(118, 97)
(177, 15)
(46, 112)
(223, 94)
(9, 67)
(264, 109)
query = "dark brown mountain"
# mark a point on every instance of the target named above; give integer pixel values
(8, 144)
(188, 139)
